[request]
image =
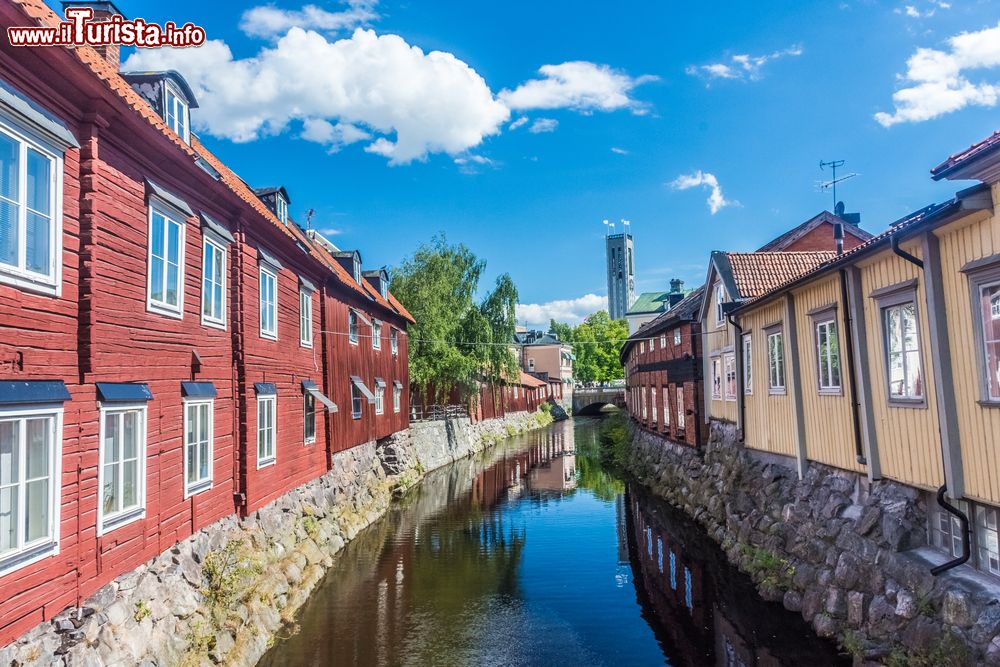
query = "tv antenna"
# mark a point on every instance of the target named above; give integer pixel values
(309, 218)
(832, 183)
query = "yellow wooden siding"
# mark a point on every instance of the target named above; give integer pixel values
(979, 427)
(908, 442)
(719, 338)
(829, 426)
(770, 420)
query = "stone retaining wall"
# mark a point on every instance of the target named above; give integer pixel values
(852, 559)
(223, 594)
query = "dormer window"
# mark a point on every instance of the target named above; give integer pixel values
(176, 113)
(281, 208)
(383, 288)
(357, 271)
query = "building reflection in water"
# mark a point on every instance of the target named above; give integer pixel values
(703, 611)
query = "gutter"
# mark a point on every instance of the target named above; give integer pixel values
(740, 402)
(851, 373)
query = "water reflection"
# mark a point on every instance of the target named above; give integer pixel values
(534, 554)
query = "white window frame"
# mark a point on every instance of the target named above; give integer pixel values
(680, 407)
(652, 404)
(663, 341)
(645, 411)
(776, 366)
(827, 322)
(885, 310)
(308, 400)
(356, 271)
(376, 334)
(720, 299)
(379, 399)
(666, 406)
(201, 484)
(357, 401)
(677, 336)
(26, 554)
(353, 327)
(281, 208)
(49, 284)
(397, 397)
(747, 364)
(267, 271)
(729, 383)
(531, 363)
(985, 275)
(717, 378)
(208, 284)
(271, 458)
(305, 318)
(185, 131)
(115, 520)
(394, 341)
(170, 216)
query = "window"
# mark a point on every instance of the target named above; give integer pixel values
(677, 336)
(397, 396)
(176, 113)
(903, 352)
(357, 271)
(652, 344)
(213, 284)
(281, 208)
(946, 534)
(376, 335)
(989, 302)
(515, 391)
(720, 299)
(729, 364)
(717, 378)
(531, 364)
(309, 417)
(305, 318)
(356, 401)
(666, 407)
(680, 408)
(987, 541)
(828, 355)
(652, 402)
(747, 364)
(30, 213)
(663, 341)
(352, 327)
(268, 304)
(379, 398)
(642, 347)
(122, 488)
(198, 439)
(266, 407)
(394, 341)
(645, 414)
(776, 362)
(166, 261)
(30, 450)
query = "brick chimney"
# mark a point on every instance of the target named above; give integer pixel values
(676, 294)
(103, 11)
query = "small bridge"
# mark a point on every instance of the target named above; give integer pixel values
(590, 401)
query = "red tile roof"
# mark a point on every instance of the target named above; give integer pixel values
(970, 153)
(756, 273)
(529, 381)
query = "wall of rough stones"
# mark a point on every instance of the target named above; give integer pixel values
(223, 594)
(852, 558)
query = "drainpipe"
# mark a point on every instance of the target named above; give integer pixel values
(851, 374)
(738, 353)
(940, 357)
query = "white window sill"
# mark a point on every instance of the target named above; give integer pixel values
(776, 391)
(267, 462)
(831, 391)
(28, 556)
(305, 345)
(114, 522)
(907, 402)
(310, 441)
(37, 286)
(268, 336)
(197, 488)
(165, 311)
(213, 324)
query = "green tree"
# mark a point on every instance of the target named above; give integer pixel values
(561, 329)
(597, 344)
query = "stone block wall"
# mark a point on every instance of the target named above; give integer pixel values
(852, 559)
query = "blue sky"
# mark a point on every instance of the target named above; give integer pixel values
(632, 110)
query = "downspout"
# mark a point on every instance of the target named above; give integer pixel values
(942, 501)
(241, 433)
(740, 402)
(851, 373)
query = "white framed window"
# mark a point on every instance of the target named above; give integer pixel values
(213, 283)
(305, 318)
(987, 534)
(747, 364)
(176, 113)
(776, 362)
(30, 467)
(828, 355)
(515, 391)
(266, 419)
(166, 260)
(680, 407)
(199, 439)
(357, 271)
(357, 401)
(652, 403)
(663, 341)
(376, 335)
(666, 407)
(729, 366)
(397, 396)
(902, 346)
(717, 378)
(645, 410)
(122, 484)
(394, 341)
(531, 363)
(677, 336)
(642, 347)
(31, 183)
(352, 327)
(720, 299)
(281, 208)
(309, 418)
(379, 398)
(989, 297)
(652, 344)
(268, 303)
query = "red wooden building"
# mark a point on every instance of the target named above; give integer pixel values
(173, 347)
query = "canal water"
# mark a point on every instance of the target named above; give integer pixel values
(533, 554)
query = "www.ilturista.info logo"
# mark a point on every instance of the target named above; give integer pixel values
(80, 30)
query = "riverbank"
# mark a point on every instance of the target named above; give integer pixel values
(222, 594)
(848, 556)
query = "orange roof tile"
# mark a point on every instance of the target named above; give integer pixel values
(756, 273)
(531, 381)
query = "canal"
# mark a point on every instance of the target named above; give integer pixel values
(533, 554)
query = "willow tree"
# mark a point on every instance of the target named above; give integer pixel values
(455, 342)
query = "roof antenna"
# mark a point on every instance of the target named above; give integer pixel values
(309, 218)
(832, 184)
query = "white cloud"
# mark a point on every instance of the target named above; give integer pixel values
(373, 84)
(336, 136)
(619, 151)
(543, 125)
(913, 12)
(570, 311)
(716, 201)
(518, 123)
(269, 21)
(578, 85)
(741, 66)
(938, 82)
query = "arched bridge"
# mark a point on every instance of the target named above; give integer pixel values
(590, 401)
